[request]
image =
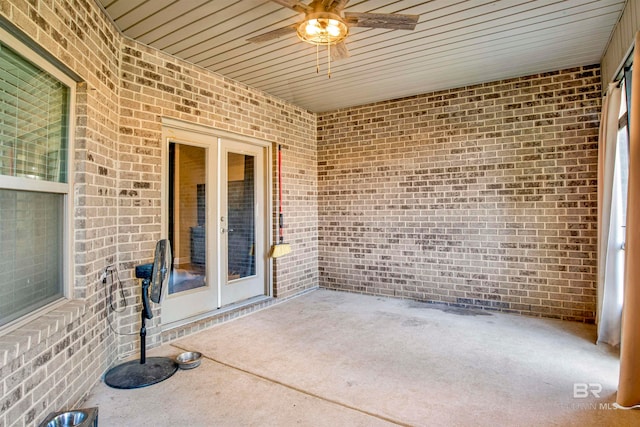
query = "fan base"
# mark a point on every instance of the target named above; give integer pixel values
(134, 374)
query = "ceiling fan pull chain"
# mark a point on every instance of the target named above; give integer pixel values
(317, 59)
(329, 59)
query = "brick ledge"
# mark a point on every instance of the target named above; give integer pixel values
(28, 335)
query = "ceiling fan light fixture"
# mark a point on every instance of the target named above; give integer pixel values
(333, 28)
(311, 28)
(323, 28)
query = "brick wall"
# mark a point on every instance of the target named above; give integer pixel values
(51, 363)
(482, 196)
(156, 85)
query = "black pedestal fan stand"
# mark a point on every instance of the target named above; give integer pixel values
(152, 370)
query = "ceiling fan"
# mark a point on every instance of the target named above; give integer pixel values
(325, 24)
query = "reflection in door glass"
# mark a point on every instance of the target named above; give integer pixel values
(241, 217)
(187, 213)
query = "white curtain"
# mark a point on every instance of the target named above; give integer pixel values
(610, 225)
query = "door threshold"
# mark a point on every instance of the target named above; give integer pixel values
(180, 328)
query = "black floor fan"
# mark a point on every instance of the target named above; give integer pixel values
(152, 370)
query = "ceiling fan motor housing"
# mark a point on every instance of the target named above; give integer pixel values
(323, 28)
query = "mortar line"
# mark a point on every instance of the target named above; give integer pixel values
(299, 390)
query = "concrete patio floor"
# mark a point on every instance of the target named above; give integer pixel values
(340, 359)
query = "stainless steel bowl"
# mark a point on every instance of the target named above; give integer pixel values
(68, 419)
(189, 360)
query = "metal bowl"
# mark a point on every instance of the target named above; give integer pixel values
(189, 360)
(68, 419)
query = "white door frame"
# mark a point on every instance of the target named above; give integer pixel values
(174, 130)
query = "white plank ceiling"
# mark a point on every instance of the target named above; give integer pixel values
(456, 43)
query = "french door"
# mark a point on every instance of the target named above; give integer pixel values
(242, 216)
(216, 220)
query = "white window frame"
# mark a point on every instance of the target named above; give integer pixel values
(64, 188)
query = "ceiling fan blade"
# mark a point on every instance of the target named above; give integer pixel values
(293, 4)
(392, 21)
(339, 51)
(275, 34)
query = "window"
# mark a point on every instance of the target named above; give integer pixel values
(35, 105)
(621, 188)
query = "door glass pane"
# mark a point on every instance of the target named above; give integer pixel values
(187, 213)
(241, 216)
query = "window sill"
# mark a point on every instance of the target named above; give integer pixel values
(29, 334)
